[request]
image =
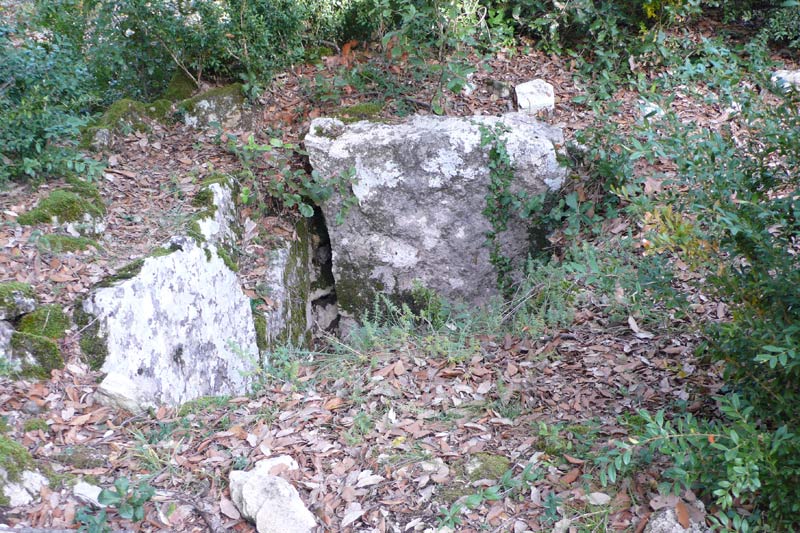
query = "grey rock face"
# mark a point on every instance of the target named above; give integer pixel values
(420, 188)
(179, 329)
(270, 501)
(16, 299)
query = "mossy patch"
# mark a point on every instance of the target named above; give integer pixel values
(93, 343)
(14, 459)
(81, 457)
(227, 258)
(15, 299)
(233, 94)
(203, 403)
(36, 355)
(65, 243)
(47, 321)
(260, 324)
(180, 87)
(487, 466)
(127, 115)
(70, 204)
(315, 54)
(35, 424)
(362, 111)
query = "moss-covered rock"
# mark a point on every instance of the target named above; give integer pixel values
(47, 321)
(93, 343)
(487, 466)
(362, 111)
(125, 116)
(71, 204)
(14, 459)
(16, 299)
(34, 355)
(180, 87)
(223, 106)
(65, 243)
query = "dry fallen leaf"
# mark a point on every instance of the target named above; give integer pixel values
(683, 514)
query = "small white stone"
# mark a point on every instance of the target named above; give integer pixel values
(534, 96)
(87, 493)
(787, 79)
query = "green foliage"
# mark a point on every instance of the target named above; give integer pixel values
(128, 501)
(508, 484)
(137, 45)
(436, 36)
(44, 99)
(292, 187)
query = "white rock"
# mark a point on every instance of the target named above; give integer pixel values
(179, 329)
(421, 188)
(6, 330)
(598, 498)
(122, 392)
(534, 96)
(666, 521)
(24, 491)
(87, 493)
(218, 229)
(270, 501)
(649, 110)
(787, 79)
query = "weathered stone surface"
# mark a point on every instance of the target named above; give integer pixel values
(270, 501)
(219, 228)
(16, 299)
(178, 329)
(288, 283)
(224, 106)
(534, 96)
(787, 79)
(666, 521)
(421, 187)
(6, 330)
(87, 493)
(33, 355)
(25, 490)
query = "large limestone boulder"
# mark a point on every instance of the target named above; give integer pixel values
(174, 327)
(414, 211)
(222, 106)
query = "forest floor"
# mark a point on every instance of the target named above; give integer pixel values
(386, 435)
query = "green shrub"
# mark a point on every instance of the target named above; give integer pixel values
(133, 47)
(44, 100)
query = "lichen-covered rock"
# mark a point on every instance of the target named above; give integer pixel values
(34, 355)
(270, 501)
(14, 461)
(288, 284)
(47, 321)
(24, 491)
(217, 222)
(16, 299)
(224, 106)
(178, 328)
(420, 189)
(124, 116)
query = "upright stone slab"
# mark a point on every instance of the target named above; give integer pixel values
(420, 189)
(177, 329)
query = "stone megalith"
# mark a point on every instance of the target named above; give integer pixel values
(176, 326)
(414, 211)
